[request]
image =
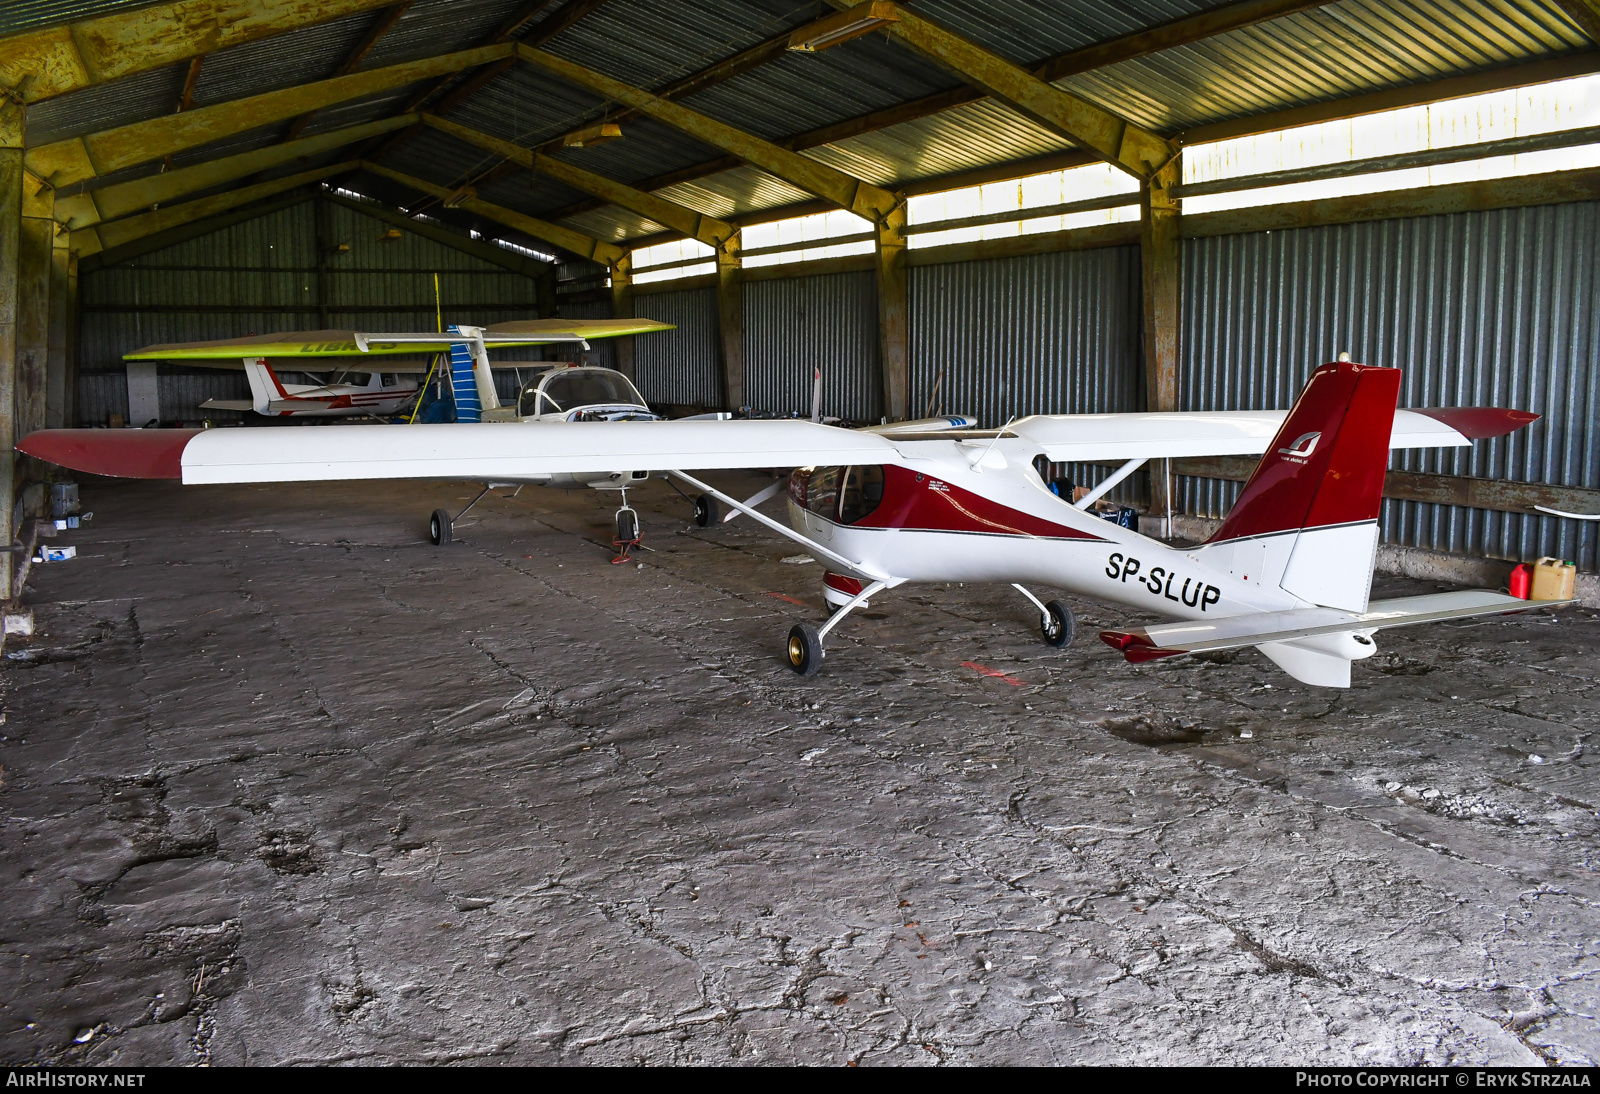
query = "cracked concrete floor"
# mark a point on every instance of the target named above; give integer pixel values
(284, 783)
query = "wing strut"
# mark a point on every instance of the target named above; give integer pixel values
(808, 543)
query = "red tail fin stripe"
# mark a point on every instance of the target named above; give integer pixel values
(1326, 465)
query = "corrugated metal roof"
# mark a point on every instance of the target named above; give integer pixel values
(1343, 48)
(650, 43)
(283, 60)
(20, 15)
(105, 106)
(800, 91)
(439, 26)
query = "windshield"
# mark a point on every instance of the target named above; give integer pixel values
(572, 388)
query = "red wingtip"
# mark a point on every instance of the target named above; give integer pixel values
(119, 453)
(1479, 422)
(1136, 646)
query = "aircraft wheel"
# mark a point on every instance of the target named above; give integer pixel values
(805, 649)
(439, 528)
(627, 525)
(706, 510)
(1061, 628)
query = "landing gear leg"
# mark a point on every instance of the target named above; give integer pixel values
(805, 641)
(627, 532)
(1057, 624)
(441, 525)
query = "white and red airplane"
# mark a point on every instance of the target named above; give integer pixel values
(1289, 571)
(272, 398)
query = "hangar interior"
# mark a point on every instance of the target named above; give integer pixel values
(299, 854)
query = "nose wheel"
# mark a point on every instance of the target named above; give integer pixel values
(628, 535)
(805, 649)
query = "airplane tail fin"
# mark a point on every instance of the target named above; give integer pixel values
(1307, 521)
(265, 387)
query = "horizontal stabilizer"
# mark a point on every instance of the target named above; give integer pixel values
(1257, 628)
(227, 404)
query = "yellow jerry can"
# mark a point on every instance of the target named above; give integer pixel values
(1553, 579)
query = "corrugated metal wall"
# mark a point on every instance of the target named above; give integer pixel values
(682, 366)
(1488, 308)
(795, 324)
(602, 351)
(1039, 334)
(259, 276)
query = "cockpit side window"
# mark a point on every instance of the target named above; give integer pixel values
(822, 492)
(860, 491)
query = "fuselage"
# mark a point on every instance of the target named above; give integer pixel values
(933, 516)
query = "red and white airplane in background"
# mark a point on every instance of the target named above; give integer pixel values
(272, 398)
(1289, 571)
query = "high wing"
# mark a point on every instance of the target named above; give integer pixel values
(343, 343)
(1090, 437)
(527, 452)
(1258, 628)
(500, 453)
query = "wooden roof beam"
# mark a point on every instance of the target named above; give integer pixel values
(41, 64)
(382, 25)
(115, 233)
(79, 158)
(846, 191)
(575, 242)
(1116, 140)
(127, 198)
(681, 219)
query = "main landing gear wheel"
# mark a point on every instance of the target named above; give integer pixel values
(805, 649)
(706, 510)
(439, 527)
(1061, 627)
(627, 526)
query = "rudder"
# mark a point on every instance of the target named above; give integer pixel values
(1307, 518)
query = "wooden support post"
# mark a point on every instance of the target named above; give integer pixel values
(892, 309)
(11, 177)
(730, 322)
(57, 399)
(622, 308)
(1161, 260)
(33, 310)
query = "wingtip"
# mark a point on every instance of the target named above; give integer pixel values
(116, 453)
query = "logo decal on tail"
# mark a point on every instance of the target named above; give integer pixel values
(1303, 446)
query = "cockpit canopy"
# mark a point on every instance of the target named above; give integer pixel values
(563, 390)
